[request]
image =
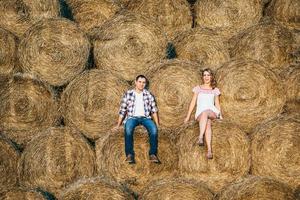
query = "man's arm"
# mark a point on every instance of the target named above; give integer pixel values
(155, 118)
(122, 112)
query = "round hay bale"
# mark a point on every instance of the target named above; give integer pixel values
(230, 147)
(292, 84)
(91, 102)
(8, 46)
(55, 50)
(275, 150)
(55, 158)
(287, 12)
(9, 158)
(18, 193)
(95, 188)
(128, 45)
(227, 17)
(110, 157)
(90, 14)
(174, 16)
(176, 188)
(202, 46)
(172, 85)
(268, 42)
(251, 93)
(253, 188)
(18, 15)
(27, 107)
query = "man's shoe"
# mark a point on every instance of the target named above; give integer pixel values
(130, 159)
(153, 158)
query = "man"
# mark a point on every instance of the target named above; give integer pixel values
(137, 107)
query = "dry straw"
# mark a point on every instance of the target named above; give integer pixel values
(292, 84)
(8, 46)
(275, 150)
(9, 158)
(253, 188)
(128, 45)
(286, 12)
(27, 106)
(94, 189)
(93, 13)
(55, 50)
(203, 46)
(176, 188)
(230, 148)
(22, 194)
(111, 158)
(174, 16)
(268, 42)
(91, 102)
(55, 158)
(18, 15)
(172, 85)
(227, 17)
(251, 93)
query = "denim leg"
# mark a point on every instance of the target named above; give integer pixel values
(153, 134)
(130, 125)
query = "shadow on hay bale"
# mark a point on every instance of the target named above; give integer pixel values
(18, 15)
(55, 50)
(174, 16)
(8, 48)
(55, 158)
(9, 158)
(286, 12)
(111, 158)
(91, 102)
(268, 42)
(94, 189)
(251, 93)
(23, 194)
(176, 189)
(227, 17)
(172, 83)
(27, 106)
(253, 188)
(231, 155)
(93, 13)
(203, 46)
(128, 45)
(275, 150)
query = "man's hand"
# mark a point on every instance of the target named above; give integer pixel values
(116, 128)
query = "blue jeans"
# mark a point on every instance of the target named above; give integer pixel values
(130, 125)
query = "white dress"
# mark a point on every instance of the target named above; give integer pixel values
(206, 100)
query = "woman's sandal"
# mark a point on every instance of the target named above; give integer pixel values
(209, 155)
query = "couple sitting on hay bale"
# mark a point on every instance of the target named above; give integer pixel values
(138, 107)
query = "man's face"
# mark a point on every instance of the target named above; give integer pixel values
(140, 83)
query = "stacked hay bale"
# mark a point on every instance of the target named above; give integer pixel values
(176, 188)
(293, 88)
(172, 83)
(128, 45)
(111, 159)
(22, 114)
(251, 93)
(8, 46)
(55, 158)
(174, 16)
(92, 13)
(253, 188)
(95, 188)
(91, 102)
(55, 50)
(275, 147)
(20, 193)
(227, 17)
(9, 158)
(231, 155)
(268, 42)
(203, 46)
(18, 15)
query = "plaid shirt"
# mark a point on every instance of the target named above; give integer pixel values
(127, 107)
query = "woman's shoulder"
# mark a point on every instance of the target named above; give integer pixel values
(216, 91)
(196, 89)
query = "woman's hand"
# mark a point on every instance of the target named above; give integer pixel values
(186, 120)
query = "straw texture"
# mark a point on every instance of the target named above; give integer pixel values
(8, 46)
(21, 194)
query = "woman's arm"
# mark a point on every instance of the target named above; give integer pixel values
(191, 108)
(217, 104)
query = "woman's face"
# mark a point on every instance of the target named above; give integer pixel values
(206, 77)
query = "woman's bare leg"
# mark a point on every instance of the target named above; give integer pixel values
(208, 134)
(202, 125)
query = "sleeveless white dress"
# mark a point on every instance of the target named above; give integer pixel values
(206, 100)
